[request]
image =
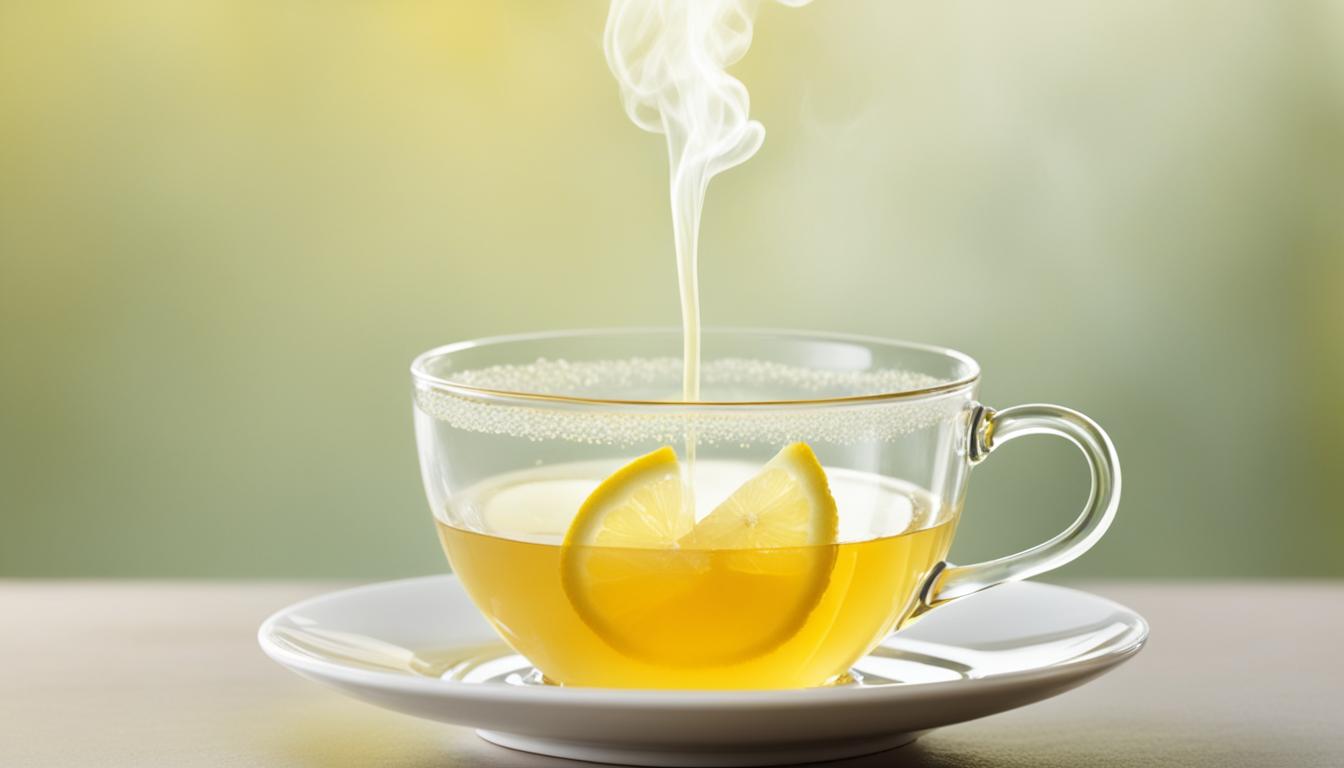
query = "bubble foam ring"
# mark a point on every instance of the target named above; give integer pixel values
(602, 379)
(597, 424)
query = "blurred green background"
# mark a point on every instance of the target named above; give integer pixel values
(226, 227)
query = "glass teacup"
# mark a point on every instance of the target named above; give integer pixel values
(522, 441)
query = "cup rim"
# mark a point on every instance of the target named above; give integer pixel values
(421, 375)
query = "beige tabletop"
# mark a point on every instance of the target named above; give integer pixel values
(115, 674)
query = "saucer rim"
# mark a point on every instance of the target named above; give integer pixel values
(328, 671)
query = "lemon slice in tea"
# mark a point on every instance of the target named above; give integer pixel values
(787, 504)
(638, 505)
(731, 588)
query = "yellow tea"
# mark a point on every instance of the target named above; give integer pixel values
(771, 617)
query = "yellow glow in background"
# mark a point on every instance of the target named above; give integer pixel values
(226, 227)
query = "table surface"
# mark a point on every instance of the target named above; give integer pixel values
(115, 674)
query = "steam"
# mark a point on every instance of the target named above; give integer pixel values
(671, 59)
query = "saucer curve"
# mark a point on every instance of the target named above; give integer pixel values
(419, 646)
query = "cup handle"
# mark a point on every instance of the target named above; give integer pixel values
(989, 428)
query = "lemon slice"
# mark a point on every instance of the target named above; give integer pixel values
(638, 505)
(787, 504)
(724, 591)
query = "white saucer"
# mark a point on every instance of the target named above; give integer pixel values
(419, 646)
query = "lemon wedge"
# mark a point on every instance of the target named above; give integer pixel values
(733, 587)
